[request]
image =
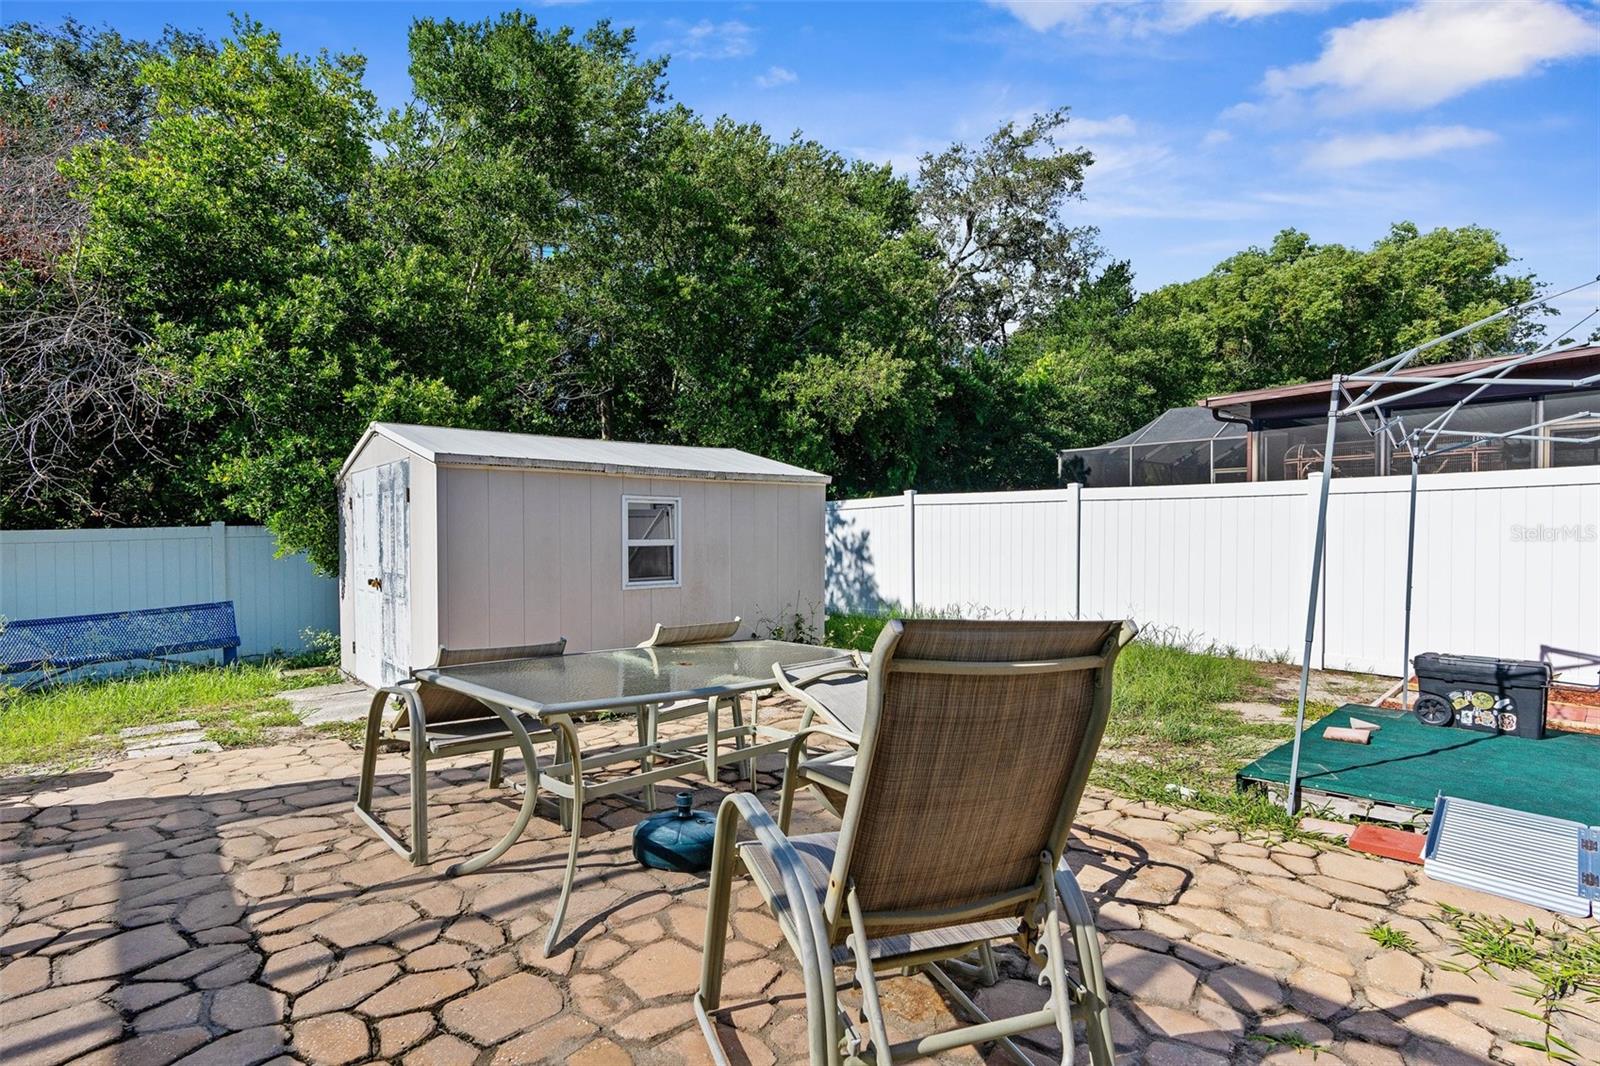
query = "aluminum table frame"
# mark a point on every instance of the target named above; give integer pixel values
(564, 775)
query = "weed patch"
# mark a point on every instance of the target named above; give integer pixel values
(1559, 969)
(70, 722)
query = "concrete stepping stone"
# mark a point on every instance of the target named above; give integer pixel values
(341, 702)
(166, 740)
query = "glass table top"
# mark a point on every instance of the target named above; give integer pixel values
(627, 677)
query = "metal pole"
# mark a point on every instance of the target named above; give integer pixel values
(1293, 804)
(1411, 554)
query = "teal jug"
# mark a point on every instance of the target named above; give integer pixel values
(679, 840)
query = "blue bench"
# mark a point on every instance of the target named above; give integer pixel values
(51, 645)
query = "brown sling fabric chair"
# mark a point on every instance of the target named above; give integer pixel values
(668, 636)
(973, 754)
(433, 723)
(838, 692)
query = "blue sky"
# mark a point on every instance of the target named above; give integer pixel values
(1215, 123)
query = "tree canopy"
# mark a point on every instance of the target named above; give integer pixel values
(219, 261)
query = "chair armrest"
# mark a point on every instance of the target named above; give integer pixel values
(406, 692)
(805, 908)
(798, 739)
(796, 686)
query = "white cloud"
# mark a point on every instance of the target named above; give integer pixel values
(1356, 150)
(1115, 126)
(1181, 14)
(1215, 137)
(1171, 16)
(776, 76)
(1433, 51)
(705, 39)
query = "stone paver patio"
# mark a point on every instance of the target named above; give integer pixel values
(230, 909)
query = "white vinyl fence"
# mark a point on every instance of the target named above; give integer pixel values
(50, 573)
(1507, 564)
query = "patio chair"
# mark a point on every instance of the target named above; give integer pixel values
(838, 692)
(433, 723)
(973, 754)
(650, 723)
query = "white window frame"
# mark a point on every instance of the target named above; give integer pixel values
(676, 542)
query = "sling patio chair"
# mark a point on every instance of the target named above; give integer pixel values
(838, 692)
(668, 636)
(973, 754)
(433, 723)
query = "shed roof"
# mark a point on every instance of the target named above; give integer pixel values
(481, 447)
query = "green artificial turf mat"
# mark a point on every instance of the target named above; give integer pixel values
(1409, 764)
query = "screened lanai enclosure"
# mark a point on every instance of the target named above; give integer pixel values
(1183, 446)
(1278, 434)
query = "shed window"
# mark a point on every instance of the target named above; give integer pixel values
(651, 542)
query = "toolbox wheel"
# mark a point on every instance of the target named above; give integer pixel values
(1433, 710)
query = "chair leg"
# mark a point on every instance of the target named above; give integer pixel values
(860, 948)
(738, 738)
(755, 720)
(1096, 1006)
(719, 906)
(419, 804)
(417, 852)
(990, 972)
(369, 753)
(496, 761)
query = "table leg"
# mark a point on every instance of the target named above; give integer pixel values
(530, 797)
(564, 728)
(563, 805)
(711, 739)
(649, 726)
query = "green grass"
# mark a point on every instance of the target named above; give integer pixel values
(352, 733)
(1387, 936)
(1557, 969)
(69, 722)
(858, 631)
(1293, 1039)
(1168, 740)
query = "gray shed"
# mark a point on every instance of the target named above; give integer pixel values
(467, 538)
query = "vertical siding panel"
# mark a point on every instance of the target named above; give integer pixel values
(577, 562)
(506, 582)
(717, 556)
(611, 626)
(748, 524)
(466, 563)
(703, 537)
(541, 562)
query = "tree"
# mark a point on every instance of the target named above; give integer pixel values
(1299, 311)
(1103, 362)
(1007, 254)
(81, 404)
(229, 228)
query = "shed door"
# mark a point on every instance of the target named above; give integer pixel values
(381, 550)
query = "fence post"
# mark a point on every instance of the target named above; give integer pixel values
(1075, 508)
(911, 550)
(219, 561)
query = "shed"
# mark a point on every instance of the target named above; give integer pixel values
(470, 538)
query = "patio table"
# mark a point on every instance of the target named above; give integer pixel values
(546, 695)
